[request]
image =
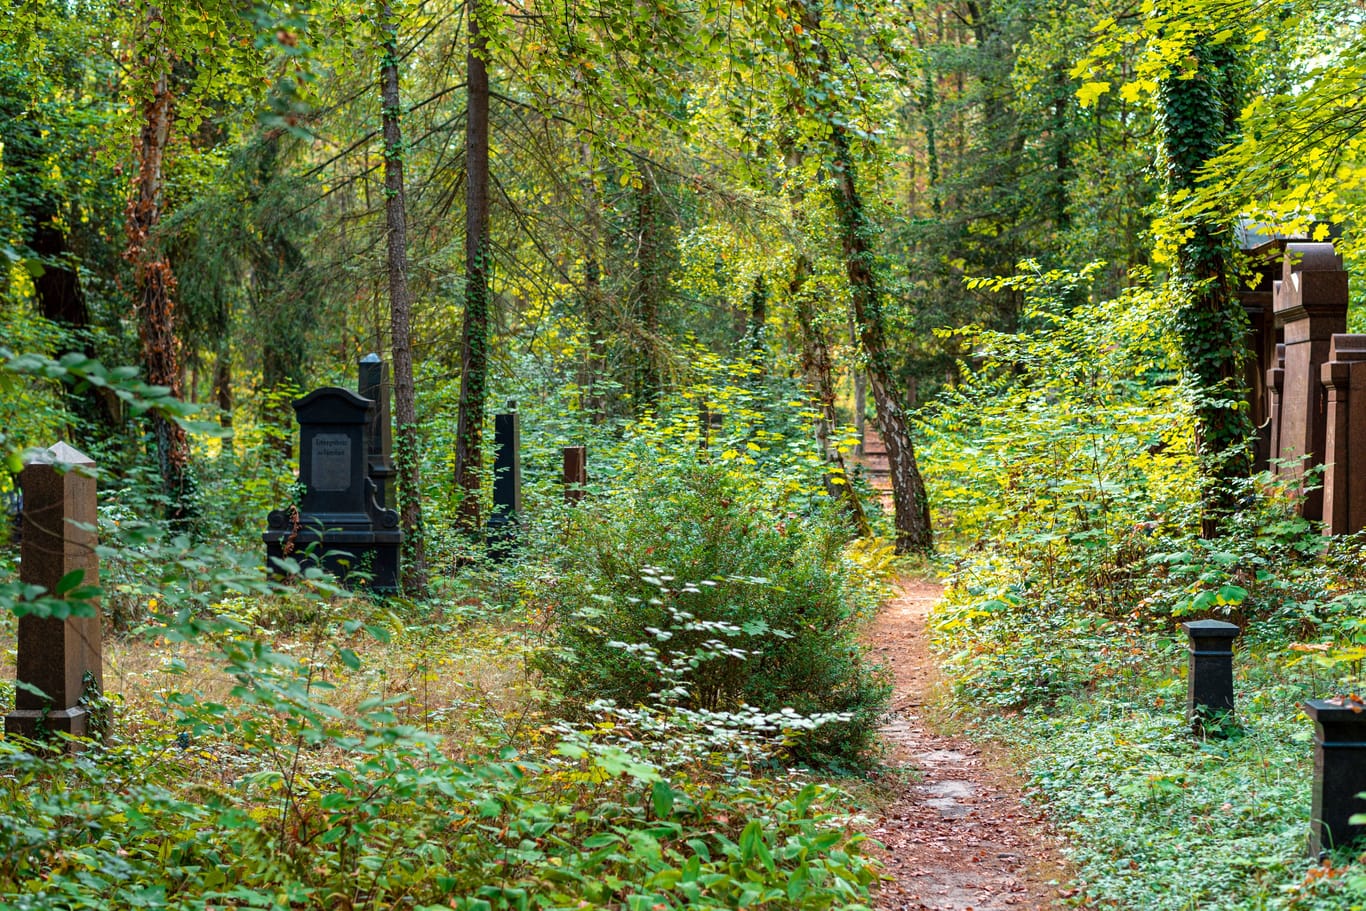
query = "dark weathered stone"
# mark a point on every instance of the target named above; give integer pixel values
(1311, 304)
(1339, 773)
(1209, 682)
(373, 384)
(507, 483)
(1344, 472)
(338, 511)
(56, 656)
(575, 472)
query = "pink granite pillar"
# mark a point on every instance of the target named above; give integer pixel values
(1275, 386)
(54, 655)
(1311, 303)
(1344, 475)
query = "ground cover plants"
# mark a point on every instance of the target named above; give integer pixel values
(286, 744)
(1061, 625)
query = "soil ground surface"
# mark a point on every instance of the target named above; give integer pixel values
(957, 834)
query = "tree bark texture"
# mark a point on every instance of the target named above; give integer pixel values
(913, 530)
(1196, 117)
(155, 283)
(651, 283)
(469, 431)
(407, 459)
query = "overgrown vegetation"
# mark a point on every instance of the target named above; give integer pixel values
(1061, 626)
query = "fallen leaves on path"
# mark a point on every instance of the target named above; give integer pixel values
(957, 836)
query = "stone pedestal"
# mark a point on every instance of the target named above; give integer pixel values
(337, 523)
(373, 384)
(575, 472)
(1209, 682)
(1344, 473)
(1311, 305)
(501, 530)
(1339, 773)
(60, 658)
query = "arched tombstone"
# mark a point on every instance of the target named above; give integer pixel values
(337, 522)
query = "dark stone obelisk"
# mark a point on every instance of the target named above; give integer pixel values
(60, 658)
(501, 530)
(373, 384)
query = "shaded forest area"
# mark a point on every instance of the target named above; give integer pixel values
(716, 243)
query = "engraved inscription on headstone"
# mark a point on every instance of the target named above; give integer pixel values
(331, 461)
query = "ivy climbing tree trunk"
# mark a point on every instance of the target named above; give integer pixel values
(407, 460)
(469, 429)
(155, 282)
(817, 368)
(815, 68)
(651, 281)
(1197, 111)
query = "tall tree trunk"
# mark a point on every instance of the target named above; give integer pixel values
(154, 280)
(912, 505)
(913, 529)
(407, 460)
(754, 332)
(594, 303)
(816, 366)
(651, 280)
(469, 429)
(1197, 114)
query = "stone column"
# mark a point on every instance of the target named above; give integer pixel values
(55, 655)
(507, 482)
(1344, 473)
(1275, 385)
(575, 472)
(373, 384)
(1209, 683)
(1311, 303)
(1339, 772)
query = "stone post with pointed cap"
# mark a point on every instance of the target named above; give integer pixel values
(58, 660)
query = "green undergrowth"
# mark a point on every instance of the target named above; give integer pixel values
(1064, 463)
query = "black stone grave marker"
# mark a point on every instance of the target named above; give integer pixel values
(349, 532)
(507, 483)
(1339, 772)
(1209, 683)
(373, 384)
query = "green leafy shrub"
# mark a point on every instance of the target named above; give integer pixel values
(687, 587)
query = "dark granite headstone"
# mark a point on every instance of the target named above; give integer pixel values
(1339, 773)
(575, 472)
(56, 655)
(373, 384)
(337, 523)
(507, 483)
(1209, 682)
(1311, 303)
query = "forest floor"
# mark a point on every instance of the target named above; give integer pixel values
(958, 836)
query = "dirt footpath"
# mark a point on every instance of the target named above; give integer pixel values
(958, 837)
